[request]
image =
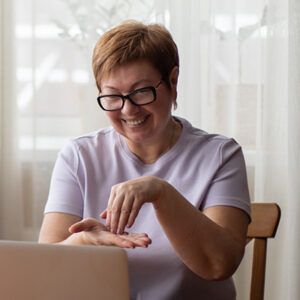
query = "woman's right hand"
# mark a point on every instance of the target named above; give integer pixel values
(92, 232)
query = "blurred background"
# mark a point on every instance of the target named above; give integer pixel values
(239, 76)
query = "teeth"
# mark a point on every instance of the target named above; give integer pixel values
(136, 122)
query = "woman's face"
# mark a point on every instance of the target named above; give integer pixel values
(140, 124)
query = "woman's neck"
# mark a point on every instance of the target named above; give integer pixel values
(148, 153)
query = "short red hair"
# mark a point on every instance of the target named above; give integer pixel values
(132, 41)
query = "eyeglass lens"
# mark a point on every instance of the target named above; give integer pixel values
(138, 97)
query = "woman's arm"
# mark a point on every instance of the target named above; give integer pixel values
(55, 227)
(211, 243)
(61, 228)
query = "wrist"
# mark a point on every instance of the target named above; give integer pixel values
(161, 200)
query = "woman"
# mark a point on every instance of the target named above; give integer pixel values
(152, 172)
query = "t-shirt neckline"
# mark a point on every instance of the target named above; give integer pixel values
(170, 154)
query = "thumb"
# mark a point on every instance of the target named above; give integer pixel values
(82, 225)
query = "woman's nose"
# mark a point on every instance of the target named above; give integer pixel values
(129, 108)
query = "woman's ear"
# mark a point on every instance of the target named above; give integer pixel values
(173, 79)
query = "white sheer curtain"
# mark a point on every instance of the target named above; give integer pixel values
(240, 77)
(11, 206)
(48, 94)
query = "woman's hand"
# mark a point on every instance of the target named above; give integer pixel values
(126, 200)
(94, 232)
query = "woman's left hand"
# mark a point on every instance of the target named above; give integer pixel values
(93, 232)
(127, 198)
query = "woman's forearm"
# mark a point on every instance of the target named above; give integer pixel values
(205, 247)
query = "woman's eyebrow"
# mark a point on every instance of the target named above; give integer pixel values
(146, 81)
(131, 88)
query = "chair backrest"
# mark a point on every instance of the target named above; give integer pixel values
(265, 220)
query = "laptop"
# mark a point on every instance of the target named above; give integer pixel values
(32, 271)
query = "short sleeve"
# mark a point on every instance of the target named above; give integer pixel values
(65, 194)
(229, 186)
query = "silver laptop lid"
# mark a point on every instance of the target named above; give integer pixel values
(32, 271)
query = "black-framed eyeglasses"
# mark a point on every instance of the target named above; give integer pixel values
(138, 97)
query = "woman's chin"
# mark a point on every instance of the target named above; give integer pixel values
(136, 139)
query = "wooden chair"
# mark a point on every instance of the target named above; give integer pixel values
(265, 220)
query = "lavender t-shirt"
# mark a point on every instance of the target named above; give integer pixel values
(207, 169)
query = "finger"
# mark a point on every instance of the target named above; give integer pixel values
(138, 235)
(77, 227)
(126, 244)
(118, 202)
(141, 242)
(124, 216)
(83, 225)
(108, 238)
(103, 215)
(109, 206)
(147, 241)
(115, 215)
(107, 222)
(134, 212)
(142, 237)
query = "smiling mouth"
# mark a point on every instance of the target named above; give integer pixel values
(136, 122)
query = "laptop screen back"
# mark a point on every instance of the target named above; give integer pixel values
(32, 271)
